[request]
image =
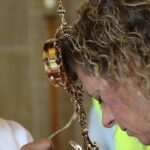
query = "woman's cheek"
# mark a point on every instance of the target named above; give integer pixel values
(120, 112)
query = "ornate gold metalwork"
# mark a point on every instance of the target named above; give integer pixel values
(54, 68)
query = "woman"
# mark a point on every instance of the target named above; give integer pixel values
(111, 58)
(109, 52)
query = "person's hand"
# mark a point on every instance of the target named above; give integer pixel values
(42, 144)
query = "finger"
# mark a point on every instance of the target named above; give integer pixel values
(43, 144)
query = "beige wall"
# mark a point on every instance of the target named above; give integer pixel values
(24, 88)
(23, 85)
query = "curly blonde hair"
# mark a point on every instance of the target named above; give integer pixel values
(112, 37)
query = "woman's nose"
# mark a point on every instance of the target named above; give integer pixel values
(108, 119)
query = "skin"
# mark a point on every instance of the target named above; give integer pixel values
(127, 108)
(42, 144)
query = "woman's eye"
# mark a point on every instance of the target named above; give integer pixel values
(99, 99)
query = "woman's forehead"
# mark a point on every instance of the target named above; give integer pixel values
(93, 85)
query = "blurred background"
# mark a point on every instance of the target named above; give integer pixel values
(25, 93)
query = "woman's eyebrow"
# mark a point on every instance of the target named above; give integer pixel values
(89, 94)
(95, 94)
